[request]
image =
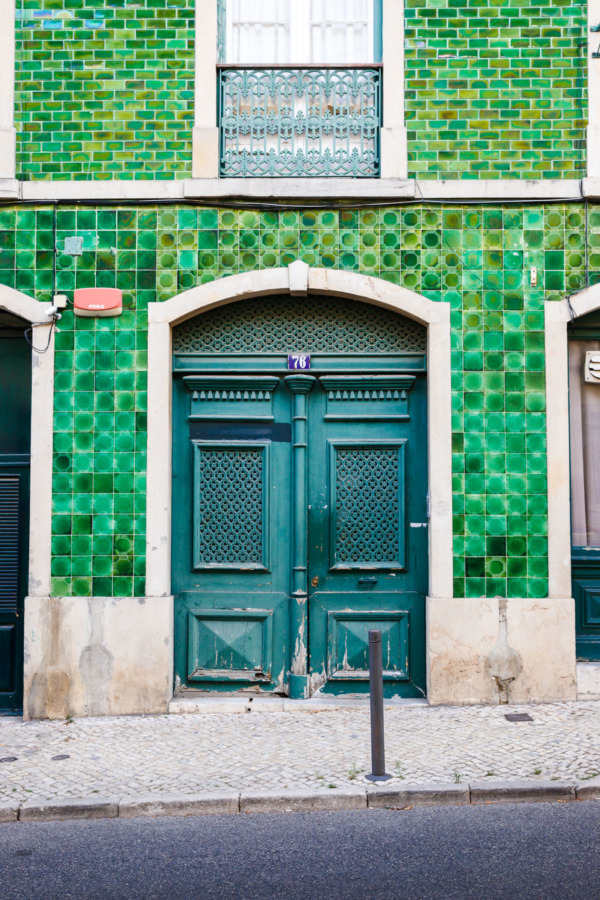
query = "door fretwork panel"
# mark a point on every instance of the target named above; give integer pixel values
(366, 505)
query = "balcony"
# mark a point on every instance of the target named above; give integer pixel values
(299, 121)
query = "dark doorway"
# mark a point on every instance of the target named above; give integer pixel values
(15, 439)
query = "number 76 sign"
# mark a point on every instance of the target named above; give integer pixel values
(299, 361)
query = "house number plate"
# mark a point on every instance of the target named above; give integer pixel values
(299, 361)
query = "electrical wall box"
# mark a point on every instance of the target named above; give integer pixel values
(98, 302)
(592, 367)
(60, 301)
(74, 246)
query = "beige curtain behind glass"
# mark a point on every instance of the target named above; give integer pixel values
(585, 448)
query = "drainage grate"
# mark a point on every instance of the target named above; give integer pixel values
(518, 717)
(62, 756)
(9, 759)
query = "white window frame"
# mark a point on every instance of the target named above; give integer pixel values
(205, 147)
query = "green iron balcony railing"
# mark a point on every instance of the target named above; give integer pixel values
(290, 121)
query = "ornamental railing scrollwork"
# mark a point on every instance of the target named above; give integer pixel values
(292, 121)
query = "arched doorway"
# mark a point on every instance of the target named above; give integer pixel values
(297, 281)
(299, 497)
(15, 445)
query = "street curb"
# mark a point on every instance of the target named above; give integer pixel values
(588, 791)
(180, 805)
(58, 810)
(299, 801)
(417, 795)
(9, 812)
(236, 802)
(521, 791)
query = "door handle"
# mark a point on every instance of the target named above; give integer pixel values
(368, 581)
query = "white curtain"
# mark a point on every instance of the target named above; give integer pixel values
(270, 32)
(258, 31)
(585, 448)
(341, 31)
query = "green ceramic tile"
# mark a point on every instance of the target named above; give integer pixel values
(120, 107)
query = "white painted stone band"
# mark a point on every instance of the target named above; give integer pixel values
(387, 189)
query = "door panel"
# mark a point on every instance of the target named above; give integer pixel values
(231, 545)
(235, 644)
(586, 593)
(367, 531)
(14, 544)
(8, 646)
(348, 624)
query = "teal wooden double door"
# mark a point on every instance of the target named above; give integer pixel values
(299, 517)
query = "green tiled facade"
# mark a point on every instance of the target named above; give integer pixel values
(496, 89)
(104, 89)
(475, 258)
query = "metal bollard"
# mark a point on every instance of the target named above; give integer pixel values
(376, 696)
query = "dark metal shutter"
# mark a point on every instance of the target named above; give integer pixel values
(9, 543)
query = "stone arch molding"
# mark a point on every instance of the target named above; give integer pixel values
(557, 317)
(297, 279)
(42, 408)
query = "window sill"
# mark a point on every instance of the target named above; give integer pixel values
(297, 189)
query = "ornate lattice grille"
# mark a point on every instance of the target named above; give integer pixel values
(285, 325)
(367, 506)
(283, 122)
(229, 518)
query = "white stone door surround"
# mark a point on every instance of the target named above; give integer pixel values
(557, 317)
(298, 279)
(479, 650)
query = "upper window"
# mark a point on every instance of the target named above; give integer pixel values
(302, 32)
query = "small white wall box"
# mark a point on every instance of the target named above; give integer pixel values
(98, 302)
(592, 367)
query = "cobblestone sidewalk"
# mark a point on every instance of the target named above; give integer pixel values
(316, 749)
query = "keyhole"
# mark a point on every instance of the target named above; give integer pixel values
(315, 581)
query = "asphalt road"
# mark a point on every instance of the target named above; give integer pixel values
(493, 851)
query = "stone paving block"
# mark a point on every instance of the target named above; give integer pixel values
(180, 805)
(138, 757)
(57, 810)
(529, 791)
(588, 791)
(208, 706)
(417, 795)
(298, 801)
(9, 812)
